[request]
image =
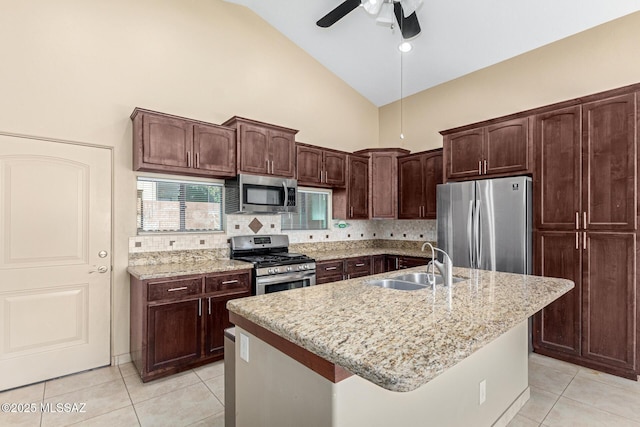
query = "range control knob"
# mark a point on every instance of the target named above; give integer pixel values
(276, 270)
(289, 269)
(302, 267)
(270, 271)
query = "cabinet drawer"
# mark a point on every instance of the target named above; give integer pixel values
(173, 289)
(234, 282)
(329, 268)
(328, 279)
(409, 262)
(359, 265)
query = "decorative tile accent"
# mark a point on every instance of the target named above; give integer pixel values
(255, 225)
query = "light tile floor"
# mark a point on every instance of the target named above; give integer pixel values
(562, 394)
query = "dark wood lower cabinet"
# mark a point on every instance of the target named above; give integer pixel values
(594, 325)
(397, 262)
(351, 268)
(174, 334)
(178, 323)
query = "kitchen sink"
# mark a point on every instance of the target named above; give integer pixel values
(396, 284)
(409, 282)
(422, 278)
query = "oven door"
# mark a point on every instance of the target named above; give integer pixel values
(284, 282)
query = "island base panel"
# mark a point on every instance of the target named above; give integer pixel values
(273, 389)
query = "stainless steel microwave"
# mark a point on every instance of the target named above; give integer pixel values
(260, 194)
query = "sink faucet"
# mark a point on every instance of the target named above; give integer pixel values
(445, 268)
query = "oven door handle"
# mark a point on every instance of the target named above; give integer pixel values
(283, 278)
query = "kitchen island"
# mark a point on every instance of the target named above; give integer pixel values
(351, 354)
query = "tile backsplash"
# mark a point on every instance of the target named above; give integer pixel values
(238, 225)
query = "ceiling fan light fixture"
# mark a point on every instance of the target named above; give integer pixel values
(410, 6)
(386, 15)
(372, 6)
(405, 47)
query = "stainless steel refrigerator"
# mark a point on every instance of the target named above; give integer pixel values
(486, 224)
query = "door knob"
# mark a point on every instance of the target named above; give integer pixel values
(101, 269)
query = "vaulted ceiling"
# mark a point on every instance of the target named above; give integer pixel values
(457, 38)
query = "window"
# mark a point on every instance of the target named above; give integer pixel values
(313, 211)
(178, 206)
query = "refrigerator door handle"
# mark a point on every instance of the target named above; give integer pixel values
(478, 235)
(470, 228)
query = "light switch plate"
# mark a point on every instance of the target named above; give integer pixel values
(244, 347)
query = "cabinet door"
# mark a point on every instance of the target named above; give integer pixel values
(173, 334)
(166, 142)
(609, 321)
(384, 185)
(411, 192)
(335, 169)
(217, 320)
(557, 327)
(393, 262)
(215, 150)
(253, 149)
(309, 165)
(358, 267)
(410, 262)
(432, 165)
(507, 147)
(282, 153)
(463, 153)
(609, 163)
(358, 190)
(557, 182)
(379, 264)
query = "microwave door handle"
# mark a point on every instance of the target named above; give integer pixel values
(286, 195)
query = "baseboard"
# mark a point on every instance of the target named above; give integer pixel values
(513, 410)
(120, 359)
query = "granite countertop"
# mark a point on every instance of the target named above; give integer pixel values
(145, 272)
(400, 340)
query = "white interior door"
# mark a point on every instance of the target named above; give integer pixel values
(55, 259)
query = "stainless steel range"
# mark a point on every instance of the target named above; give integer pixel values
(275, 269)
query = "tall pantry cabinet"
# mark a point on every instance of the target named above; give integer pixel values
(586, 207)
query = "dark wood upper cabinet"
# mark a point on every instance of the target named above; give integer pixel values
(352, 202)
(558, 173)
(498, 149)
(170, 144)
(319, 167)
(609, 162)
(264, 149)
(418, 176)
(383, 181)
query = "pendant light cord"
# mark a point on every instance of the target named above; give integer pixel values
(401, 97)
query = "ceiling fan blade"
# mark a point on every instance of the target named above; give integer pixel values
(409, 26)
(338, 13)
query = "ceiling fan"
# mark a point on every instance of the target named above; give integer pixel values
(404, 11)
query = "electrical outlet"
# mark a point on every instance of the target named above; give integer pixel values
(482, 392)
(244, 347)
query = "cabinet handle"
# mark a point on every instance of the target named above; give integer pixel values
(485, 167)
(584, 240)
(320, 175)
(326, 176)
(267, 166)
(228, 282)
(272, 167)
(577, 221)
(351, 212)
(197, 160)
(479, 167)
(577, 238)
(181, 288)
(584, 220)
(397, 266)
(330, 268)
(188, 159)
(360, 265)
(199, 307)
(209, 306)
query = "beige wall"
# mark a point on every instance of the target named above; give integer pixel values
(599, 59)
(75, 70)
